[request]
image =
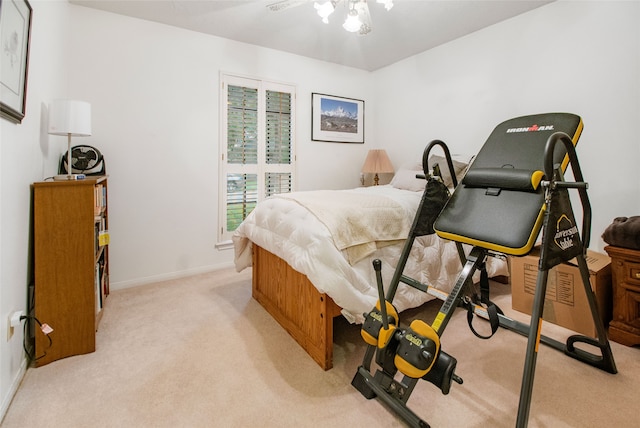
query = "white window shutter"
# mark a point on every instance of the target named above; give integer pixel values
(257, 144)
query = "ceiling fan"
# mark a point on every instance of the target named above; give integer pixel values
(358, 17)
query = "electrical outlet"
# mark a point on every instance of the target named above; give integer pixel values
(13, 321)
(9, 329)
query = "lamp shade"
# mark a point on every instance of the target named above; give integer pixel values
(377, 162)
(352, 23)
(68, 117)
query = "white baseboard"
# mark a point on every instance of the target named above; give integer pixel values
(120, 285)
(6, 401)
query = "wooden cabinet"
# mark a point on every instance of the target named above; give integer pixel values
(625, 266)
(71, 255)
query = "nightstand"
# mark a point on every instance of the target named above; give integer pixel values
(625, 267)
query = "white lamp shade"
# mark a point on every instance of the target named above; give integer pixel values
(377, 162)
(68, 117)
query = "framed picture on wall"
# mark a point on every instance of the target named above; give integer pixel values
(15, 28)
(337, 119)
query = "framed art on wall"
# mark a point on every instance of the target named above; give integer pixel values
(337, 119)
(15, 27)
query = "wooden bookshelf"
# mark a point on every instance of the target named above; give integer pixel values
(71, 255)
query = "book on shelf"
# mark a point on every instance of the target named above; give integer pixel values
(100, 198)
(101, 284)
(98, 289)
(101, 232)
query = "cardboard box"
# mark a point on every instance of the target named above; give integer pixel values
(566, 301)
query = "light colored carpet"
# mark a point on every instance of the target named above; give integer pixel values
(200, 352)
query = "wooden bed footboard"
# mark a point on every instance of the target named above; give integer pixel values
(306, 314)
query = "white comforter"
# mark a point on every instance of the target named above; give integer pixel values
(287, 229)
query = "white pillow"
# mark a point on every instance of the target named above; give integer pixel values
(460, 165)
(405, 178)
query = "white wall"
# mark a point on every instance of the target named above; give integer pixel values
(578, 57)
(26, 154)
(154, 91)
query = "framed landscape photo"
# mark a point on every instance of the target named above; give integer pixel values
(337, 119)
(15, 27)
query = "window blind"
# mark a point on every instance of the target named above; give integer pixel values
(242, 125)
(258, 120)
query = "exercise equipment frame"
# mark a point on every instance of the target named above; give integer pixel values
(441, 372)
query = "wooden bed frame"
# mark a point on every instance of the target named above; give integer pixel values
(297, 305)
(306, 314)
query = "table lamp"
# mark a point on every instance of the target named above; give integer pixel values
(377, 162)
(70, 118)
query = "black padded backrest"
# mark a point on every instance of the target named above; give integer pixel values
(509, 220)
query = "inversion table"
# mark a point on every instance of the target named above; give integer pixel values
(514, 188)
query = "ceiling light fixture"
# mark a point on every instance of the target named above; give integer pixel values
(388, 4)
(325, 9)
(352, 23)
(358, 17)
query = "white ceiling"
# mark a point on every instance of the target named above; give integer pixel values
(410, 27)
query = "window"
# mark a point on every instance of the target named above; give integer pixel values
(257, 146)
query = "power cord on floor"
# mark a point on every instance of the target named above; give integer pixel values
(45, 330)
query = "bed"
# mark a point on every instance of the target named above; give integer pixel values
(311, 254)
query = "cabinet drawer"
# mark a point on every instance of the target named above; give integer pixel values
(632, 271)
